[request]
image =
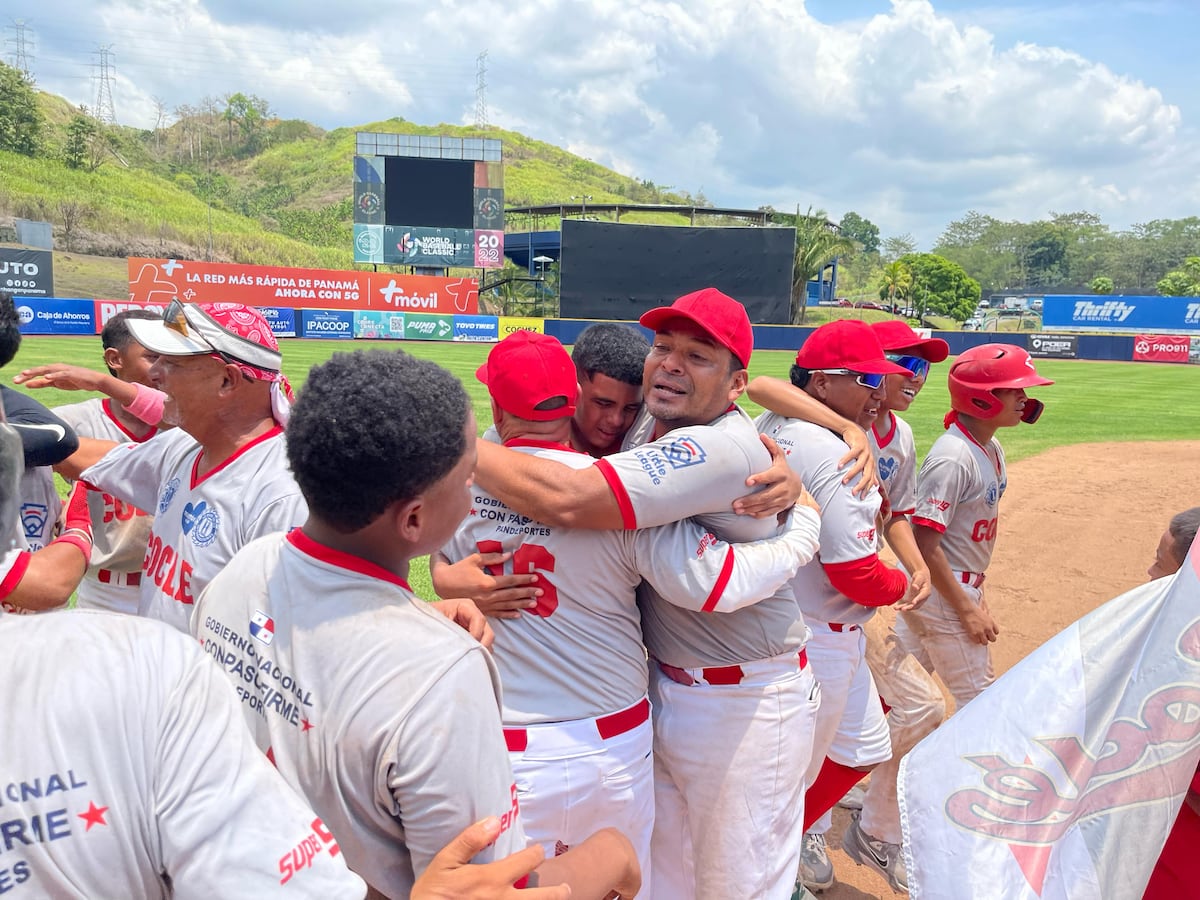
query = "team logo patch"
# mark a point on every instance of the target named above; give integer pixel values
(200, 522)
(887, 467)
(683, 452)
(168, 495)
(993, 494)
(33, 519)
(369, 203)
(262, 627)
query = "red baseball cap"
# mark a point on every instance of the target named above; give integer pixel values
(846, 344)
(722, 317)
(526, 369)
(896, 335)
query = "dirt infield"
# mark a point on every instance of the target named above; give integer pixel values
(1078, 526)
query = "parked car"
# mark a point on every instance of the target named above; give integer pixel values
(870, 304)
(842, 301)
(1036, 305)
(907, 311)
(972, 324)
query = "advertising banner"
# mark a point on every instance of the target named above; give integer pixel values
(327, 323)
(1121, 314)
(419, 327)
(39, 315)
(282, 321)
(405, 245)
(510, 324)
(106, 309)
(1161, 348)
(380, 326)
(28, 273)
(1054, 346)
(476, 328)
(159, 280)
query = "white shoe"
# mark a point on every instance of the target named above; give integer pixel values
(854, 799)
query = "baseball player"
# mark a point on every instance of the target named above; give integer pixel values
(575, 712)
(740, 681)
(913, 701)
(843, 365)
(608, 362)
(956, 518)
(373, 704)
(120, 530)
(128, 772)
(220, 479)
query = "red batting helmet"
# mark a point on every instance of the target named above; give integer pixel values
(980, 370)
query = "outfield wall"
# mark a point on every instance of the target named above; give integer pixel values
(50, 316)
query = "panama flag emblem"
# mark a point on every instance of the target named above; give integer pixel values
(262, 627)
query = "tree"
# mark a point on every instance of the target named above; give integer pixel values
(1182, 282)
(941, 286)
(1101, 284)
(817, 245)
(20, 117)
(73, 212)
(81, 147)
(895, 283)
(862, 231)
(898, 246)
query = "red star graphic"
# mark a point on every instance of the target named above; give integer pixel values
(305, 725)
(94, 815)
(473, 513)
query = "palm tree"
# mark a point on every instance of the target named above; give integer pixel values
(895, 283)
(818, 243)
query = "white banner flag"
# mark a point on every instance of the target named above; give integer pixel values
(1062, 779)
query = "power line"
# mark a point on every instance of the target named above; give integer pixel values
(22, 59)
(481, 115)
(103, 108)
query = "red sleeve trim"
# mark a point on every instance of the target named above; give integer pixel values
(722, 582)
(897, 513)
(15, 574)
(628, 516)
(929, 523)
(867, 581)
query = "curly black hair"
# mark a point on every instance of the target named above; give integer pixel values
(618, 351)
(116, 330)
(799, 375)
(10, 328)
(371, 428)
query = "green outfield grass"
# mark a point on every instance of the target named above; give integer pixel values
(1090, 401)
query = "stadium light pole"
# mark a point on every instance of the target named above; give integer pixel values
(583, 204)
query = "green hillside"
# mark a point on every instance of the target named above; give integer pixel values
(226, 182)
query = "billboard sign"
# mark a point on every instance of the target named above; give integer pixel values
(419, 327)
(1054, 346)
(1137, 315)
(511, 324)
(379, 326)
(106, 309)
(27, 273)
(428, 200)
(327, 323)
(1161, 348)
(476, 328)
(281, 319)
(158, 281)
(39, 315)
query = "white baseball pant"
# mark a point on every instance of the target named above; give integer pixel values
(731, 745)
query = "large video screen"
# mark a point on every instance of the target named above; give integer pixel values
(428, 201)
(613, 271)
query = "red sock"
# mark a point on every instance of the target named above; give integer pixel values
(832, 783)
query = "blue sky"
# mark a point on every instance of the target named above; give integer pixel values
(909, 112)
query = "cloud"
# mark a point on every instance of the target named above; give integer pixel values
(910, 117)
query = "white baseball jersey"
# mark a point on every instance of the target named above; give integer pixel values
(383, 713)
(120, 530)
(698, 471)
(12, 570)
(848, 529)
(40, 507)
(896, 454)
(126, 771)
(200, 522)
(578, 654)
(958, 494)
